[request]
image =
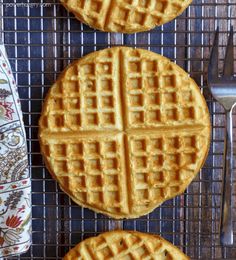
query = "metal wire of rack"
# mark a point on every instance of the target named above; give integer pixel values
(41, 39)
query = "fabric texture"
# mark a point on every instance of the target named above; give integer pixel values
(15, 185)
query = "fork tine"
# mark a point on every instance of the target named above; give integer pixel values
(213, 62)
(229, 56)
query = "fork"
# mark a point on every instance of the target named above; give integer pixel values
(223, 90)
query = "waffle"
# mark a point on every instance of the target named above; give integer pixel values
(127, 16)
(122, 130)
(125, 245)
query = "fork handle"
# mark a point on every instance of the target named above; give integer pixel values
(226, 224)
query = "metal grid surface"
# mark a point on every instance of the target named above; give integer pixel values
(41, 40)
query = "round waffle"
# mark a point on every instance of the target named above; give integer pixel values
(125, 245)
(127, 16)
(123, 130)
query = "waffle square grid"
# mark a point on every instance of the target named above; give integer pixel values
(125, 16)
(137, 125)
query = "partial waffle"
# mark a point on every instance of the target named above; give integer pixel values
(123, 130)
(127, 16)
(125, 245)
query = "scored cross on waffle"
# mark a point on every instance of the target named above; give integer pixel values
(127, 16)
(125, 245)
(123, 130)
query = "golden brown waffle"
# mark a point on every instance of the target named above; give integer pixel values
(127, 16)
(123, 130)
(125, 245)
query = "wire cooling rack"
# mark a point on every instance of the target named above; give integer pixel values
(41, 40)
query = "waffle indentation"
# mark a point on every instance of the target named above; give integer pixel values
(156, 95)
(125, 245)
(125, 16)
(161, 165)
(93, 170)
(86, 98)
(124, 130)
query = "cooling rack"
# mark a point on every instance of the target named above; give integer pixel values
(41, 40)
